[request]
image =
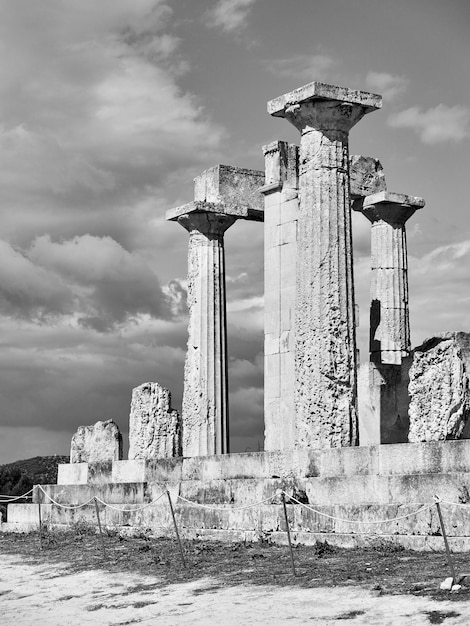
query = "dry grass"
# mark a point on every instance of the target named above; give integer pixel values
(383, 568)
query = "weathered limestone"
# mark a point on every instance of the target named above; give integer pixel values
(439, 388)
(154, 427)
(389, 312)
(280, 250)
(390, 344)
(100, 442)
(367, 176)
(325, 349)
(223, 194)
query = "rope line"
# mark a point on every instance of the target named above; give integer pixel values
(64, 506)
(210, 507)
(141, 508)
(13, 498)
(347, 521)
(458, 504)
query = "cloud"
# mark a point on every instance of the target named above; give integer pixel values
(28, 291)
(387, 85)
(436, 125)
(308, 67)
(94, 123)
(111, 284)
(230, 15)
(97, 140)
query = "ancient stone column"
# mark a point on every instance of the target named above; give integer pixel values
(205, 399)
(325, 350)
(385, 410)
(280, 249)
(389, 312)
(222, 195)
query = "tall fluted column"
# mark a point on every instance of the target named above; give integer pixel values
(325, 349)
(205, 398)
(222, 195)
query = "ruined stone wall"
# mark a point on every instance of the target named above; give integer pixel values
(439, 388)
(154, 427)
(100, 442)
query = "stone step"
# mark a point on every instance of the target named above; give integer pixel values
(438, 457)
(118, 493)
(348, 490)
(263, 518)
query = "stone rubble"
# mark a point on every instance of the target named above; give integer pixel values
(98, 443)
(155, 429)
(439, 388)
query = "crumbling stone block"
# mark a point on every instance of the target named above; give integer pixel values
(439, 388)
(154, 427)
(367, 176)
(98, 443)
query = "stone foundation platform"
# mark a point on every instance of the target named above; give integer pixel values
(364, 484)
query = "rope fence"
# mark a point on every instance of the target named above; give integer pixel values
(283, 498)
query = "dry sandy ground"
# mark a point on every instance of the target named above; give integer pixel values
(32, 594)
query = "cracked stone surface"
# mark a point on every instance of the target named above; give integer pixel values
(222, 194)
(439, 388)
(99, 442)
(367, 176)
(389, 310)
(280, 246)
(155, 430)
(205, 397)
(325, 344)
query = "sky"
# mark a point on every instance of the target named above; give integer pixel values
(107, 112)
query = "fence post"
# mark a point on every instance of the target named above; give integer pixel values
(99, 526)
(446, 543)
(176, 528)
(288, 534)
(40, 524)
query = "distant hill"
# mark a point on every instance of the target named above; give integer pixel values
(18, 477)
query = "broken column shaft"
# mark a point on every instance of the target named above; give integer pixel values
(222, 195)
(384, 392)
(389, 311)
(325, 350)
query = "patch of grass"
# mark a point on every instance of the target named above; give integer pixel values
(82, 528)
(350, 615)
(437, 617)
(381, 567)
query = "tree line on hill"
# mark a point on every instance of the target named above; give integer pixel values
(19, 477)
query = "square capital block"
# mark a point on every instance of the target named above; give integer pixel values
(322, 91)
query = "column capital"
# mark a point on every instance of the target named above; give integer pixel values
(324, 107)
(206, 222)
(386, 206)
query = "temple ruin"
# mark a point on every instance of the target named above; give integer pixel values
(367, 441)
